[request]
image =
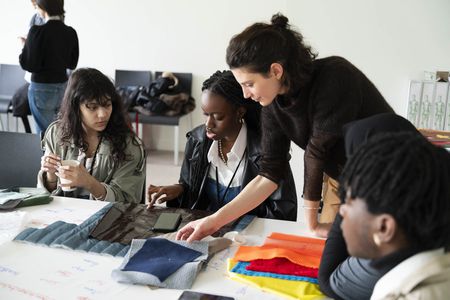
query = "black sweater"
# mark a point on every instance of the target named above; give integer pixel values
(337, 93)
(49, 50)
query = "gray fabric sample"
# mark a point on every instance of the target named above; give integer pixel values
(71, 236)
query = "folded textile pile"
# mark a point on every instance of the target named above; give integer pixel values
(285, 264)
(163, 263)
(72, 236)
(21, 197)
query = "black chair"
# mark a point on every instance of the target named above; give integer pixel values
(11, 79)
(20, 159)
(132, 78)
(184, 85)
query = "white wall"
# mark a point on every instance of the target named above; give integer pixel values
(391, 41)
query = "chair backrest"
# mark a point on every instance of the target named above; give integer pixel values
(20, 159)
(11, 78)
(132, 78)
(184, 81)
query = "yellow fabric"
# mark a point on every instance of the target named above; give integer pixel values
(287, 288)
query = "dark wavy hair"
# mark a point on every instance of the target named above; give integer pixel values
(85, 85)
(404, 175)
(52, 7)
(262, 44)
(224, 84)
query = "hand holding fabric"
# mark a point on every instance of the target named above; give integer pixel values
(198, 229)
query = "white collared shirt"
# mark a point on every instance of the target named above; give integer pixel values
(233, 157)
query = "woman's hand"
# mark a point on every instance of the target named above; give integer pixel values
(161, 194)
(50, 163)
(78, 176)
(198, 229)
(322, 229)
(311, 209)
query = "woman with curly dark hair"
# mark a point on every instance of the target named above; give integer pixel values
(306, 101)
(92, 128)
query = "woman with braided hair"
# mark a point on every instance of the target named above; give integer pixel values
(397, 215)
(222, 156)
(306, 101)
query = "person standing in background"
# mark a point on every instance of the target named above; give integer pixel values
(48, 51)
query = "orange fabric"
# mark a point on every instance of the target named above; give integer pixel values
(304, 251)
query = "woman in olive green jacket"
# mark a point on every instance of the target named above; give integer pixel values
(91, 128)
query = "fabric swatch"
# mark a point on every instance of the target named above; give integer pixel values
(183, 278)
(249, 253)
(127, 221)
(301, 250)
(240, 268)
(286, 288)
(161, 258)
(71, 236)
(281, 265)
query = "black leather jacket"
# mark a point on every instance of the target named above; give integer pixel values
(282, 204)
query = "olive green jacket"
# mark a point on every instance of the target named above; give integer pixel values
(124, 182)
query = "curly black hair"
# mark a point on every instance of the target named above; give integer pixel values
(89, 84)
(404, 175)
(262, 44)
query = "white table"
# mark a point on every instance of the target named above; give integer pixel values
(38, 272)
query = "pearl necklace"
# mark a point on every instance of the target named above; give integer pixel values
(222, 157)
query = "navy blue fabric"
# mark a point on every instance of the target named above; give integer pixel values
(71, 236)
(161, 258)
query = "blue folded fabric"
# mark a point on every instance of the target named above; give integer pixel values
(181, 279)
(240, 269)
(161, 258)
(71, 236)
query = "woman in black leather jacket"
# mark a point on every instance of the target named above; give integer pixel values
(222, 156)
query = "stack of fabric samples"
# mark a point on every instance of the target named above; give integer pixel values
(285, 264)
(163, 263)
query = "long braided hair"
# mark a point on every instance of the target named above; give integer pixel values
(404, 175)
(224, 84)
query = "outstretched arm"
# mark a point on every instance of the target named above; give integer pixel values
(251, 196)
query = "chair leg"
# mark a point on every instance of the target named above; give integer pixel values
(7, 121)
(175, 145)
(26, 124)
(1, 123)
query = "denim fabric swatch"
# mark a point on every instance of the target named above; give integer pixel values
(161, 258)
(183, 278)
